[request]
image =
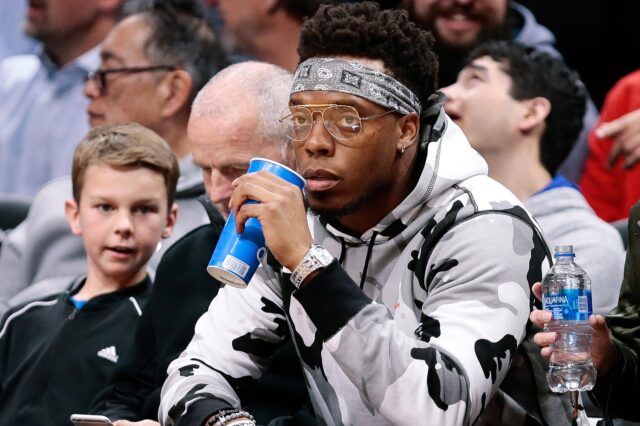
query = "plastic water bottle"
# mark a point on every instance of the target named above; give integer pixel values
(567, 294)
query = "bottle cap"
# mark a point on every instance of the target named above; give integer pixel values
(563, 251)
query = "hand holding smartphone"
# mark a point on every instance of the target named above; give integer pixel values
(90, 420)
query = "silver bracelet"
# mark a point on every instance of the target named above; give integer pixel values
(224, 417)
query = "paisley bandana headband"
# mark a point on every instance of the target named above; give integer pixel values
(354, 78)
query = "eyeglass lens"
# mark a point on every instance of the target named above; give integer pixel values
(341, 121)
(97, 78)
(100, 76)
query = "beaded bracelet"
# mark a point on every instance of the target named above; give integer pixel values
(224, 417)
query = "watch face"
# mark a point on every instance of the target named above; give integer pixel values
(323, 256)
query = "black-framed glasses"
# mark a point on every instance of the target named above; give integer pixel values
(341, 121)
(99, 77)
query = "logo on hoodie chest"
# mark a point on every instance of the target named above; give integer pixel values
(109, 353)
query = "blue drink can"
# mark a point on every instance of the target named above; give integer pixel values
(237, 256)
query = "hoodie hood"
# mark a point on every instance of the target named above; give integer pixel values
(449, 160)
(530, 33)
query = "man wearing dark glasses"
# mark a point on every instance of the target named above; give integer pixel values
(152, 65)
(406, 290)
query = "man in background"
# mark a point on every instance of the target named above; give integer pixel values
(42, 93)
(460, 25)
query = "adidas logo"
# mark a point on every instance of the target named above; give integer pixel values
(109, 353)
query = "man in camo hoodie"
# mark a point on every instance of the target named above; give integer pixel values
(406, 288)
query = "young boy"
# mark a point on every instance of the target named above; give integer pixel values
(58, 352)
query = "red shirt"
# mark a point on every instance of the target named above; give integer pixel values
(612, 192)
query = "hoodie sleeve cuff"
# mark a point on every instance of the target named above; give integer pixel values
(200, 411)
(331, 299)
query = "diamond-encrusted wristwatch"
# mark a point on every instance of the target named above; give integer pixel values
(316, 258)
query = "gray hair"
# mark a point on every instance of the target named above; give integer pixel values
(180, 37)
(267, 85)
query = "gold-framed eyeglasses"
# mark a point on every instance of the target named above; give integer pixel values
(99, 77)
(341, 121)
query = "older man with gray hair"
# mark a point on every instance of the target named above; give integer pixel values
(234, 118)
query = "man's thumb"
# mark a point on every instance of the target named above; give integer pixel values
(599, 325)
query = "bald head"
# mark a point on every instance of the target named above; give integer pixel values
(234, 118)
(248, 88)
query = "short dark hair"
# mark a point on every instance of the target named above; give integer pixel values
(182, 38)
(536, 73)
(364, 30)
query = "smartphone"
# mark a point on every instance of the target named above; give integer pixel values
(90, 420)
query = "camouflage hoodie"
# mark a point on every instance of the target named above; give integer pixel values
(415, 322)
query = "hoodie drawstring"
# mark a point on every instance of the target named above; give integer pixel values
(343, 250)
(368, 258)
